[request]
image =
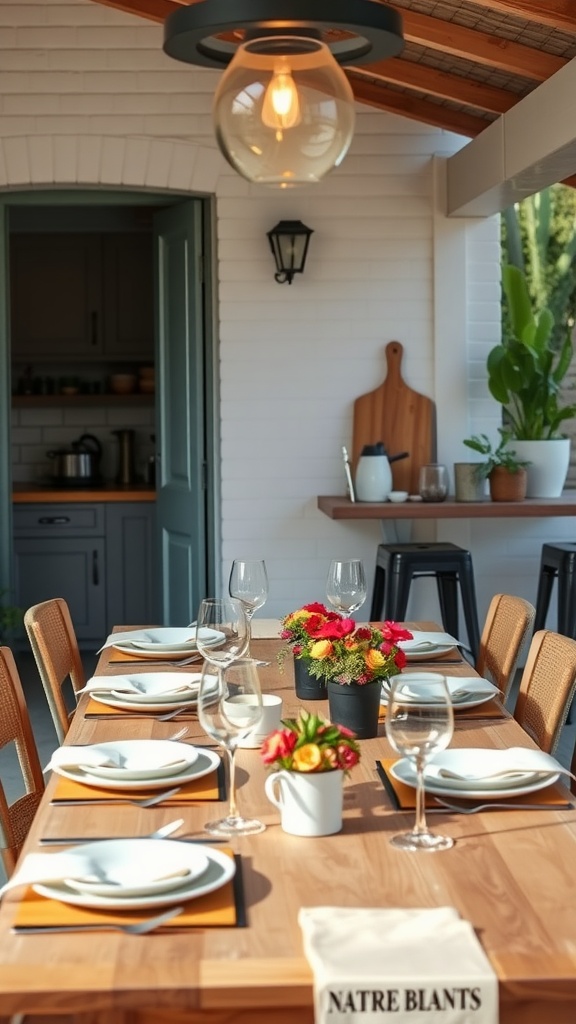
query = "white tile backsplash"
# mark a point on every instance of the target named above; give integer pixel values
(37, 431)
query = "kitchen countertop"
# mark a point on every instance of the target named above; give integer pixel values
(27, 493)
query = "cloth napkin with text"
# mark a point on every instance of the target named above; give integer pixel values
(409, 965)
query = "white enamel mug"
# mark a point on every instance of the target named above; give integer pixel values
(270, 720)
(310, 803)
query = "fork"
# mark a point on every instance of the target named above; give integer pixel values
(140, 928)
(172, 714)
(501, 806)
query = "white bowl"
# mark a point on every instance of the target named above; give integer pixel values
(398, 496)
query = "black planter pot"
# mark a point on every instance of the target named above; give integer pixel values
(308, 688)
(357, 707)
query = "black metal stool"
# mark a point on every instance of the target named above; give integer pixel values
(557, 560)
(398, 564)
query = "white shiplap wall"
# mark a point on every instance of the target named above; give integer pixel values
(85, 90)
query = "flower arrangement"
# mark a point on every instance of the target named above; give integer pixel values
(337, 649)
(310, 744)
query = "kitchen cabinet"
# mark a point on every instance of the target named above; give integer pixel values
(84, 296)
(98, 557)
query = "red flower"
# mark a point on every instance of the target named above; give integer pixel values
(316, 607)
(313, 624)
(279, 744)
(363, 633)
(393, 632)
(400, 658)
(347, 758)
(335, 630)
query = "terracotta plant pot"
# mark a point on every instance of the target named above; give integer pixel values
(507, 486)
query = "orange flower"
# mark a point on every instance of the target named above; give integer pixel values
(321, 649)
(374, 659)
(307, 758)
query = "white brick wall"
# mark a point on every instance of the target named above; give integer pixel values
(87, 96)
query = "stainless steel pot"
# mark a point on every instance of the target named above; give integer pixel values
(80, 463)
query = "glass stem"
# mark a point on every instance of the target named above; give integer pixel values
(249, 612)
(420, 826)
(232, 809)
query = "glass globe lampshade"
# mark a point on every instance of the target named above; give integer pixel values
(284, 111)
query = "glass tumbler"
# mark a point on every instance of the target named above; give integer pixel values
(433, 483)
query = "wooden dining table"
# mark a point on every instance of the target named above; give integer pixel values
(511, 873)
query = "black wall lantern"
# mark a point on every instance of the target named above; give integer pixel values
(289, 243)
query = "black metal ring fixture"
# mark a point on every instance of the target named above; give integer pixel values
(191, 34)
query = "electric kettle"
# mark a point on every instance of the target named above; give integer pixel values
(373, 480)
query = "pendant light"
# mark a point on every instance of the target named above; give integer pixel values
(284, 109)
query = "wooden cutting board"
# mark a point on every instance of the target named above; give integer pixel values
(402, 418)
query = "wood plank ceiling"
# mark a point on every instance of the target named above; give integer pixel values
(464, 63)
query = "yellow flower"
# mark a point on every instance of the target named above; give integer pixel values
(307, 758)
(374, 659)
(321, 649)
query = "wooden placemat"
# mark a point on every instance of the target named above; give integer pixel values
(403, 797)
(208, 787)
(223, 908)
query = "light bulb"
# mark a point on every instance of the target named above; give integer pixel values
(281, 107)
(284, 111)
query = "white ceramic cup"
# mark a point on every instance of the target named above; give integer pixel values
(310, 803)
(271, 716)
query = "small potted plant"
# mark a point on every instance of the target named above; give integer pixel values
(525, 373)
(310, 757)
(505, 472)
(351, 661)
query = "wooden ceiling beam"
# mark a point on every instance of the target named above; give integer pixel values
(446, 86)
(153, 10)
(559, 14)
(480, 47)
(416, 108)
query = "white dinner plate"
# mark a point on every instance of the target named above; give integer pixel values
(122, 873)
(221, 868)
(425, 646)
(206, 761)
(169, 641)
(474, 690)
(155, 687)
(141, 759)
(472, 759)
(128, 704)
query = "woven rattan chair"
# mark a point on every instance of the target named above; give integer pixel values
(15, 819)
(507, 624)
(547, 688)
(55, 649)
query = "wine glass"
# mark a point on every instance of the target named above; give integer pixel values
(222, 631)
(229, 706)
(419, 723)
(249, 584)
(346, 585)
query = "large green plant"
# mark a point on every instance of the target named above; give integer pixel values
(526, 370)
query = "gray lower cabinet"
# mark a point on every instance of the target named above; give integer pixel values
(131, 590)
(99, 558)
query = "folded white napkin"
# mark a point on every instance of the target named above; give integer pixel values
(513, 761)
(423, 641)
(410, 966)
(80, 864)
(152, 758)
(159, 684)
(51, 867)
